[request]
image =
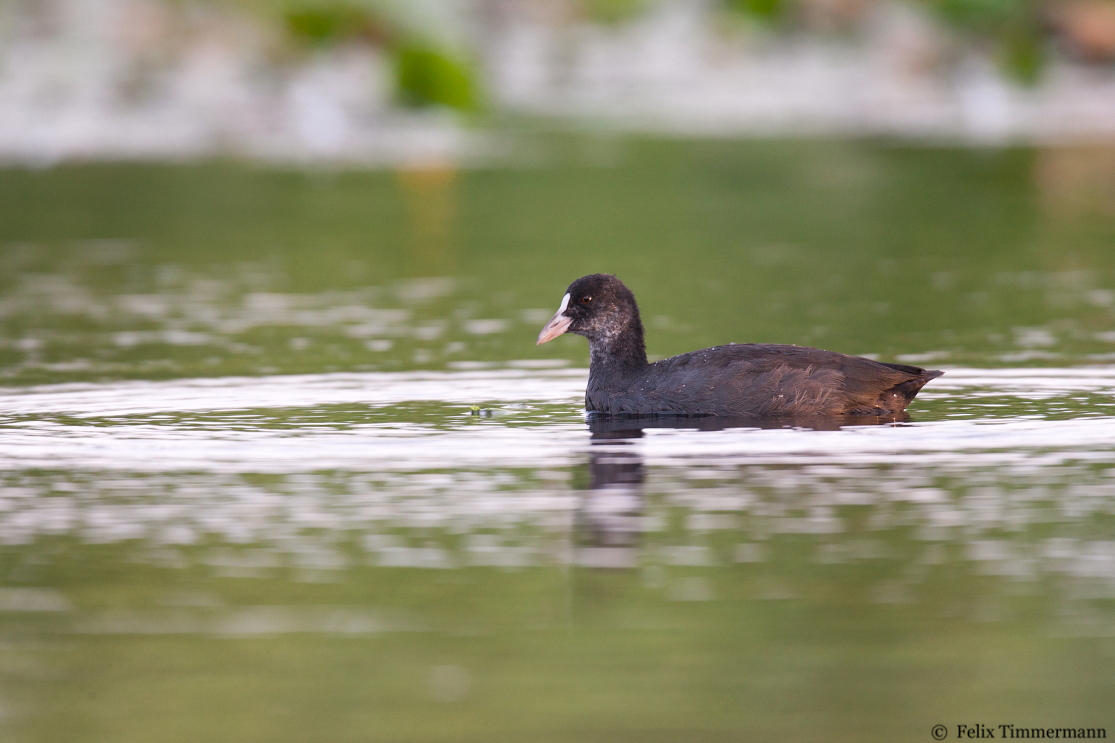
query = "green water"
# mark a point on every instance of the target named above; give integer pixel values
(318, 542)
(123, 271)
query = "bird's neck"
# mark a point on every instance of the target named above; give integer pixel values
(622, 351)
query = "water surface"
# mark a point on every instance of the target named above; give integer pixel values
(245, 495)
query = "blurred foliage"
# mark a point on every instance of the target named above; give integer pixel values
(766, 9)
(325, 25)
(1022, 53)
(1015, 26)
(988, 16)
(425, 75)
(1020, 31)
(611, 11)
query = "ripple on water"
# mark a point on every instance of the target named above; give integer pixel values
(323, 478)
(268, 424)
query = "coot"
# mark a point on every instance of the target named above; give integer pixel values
(744, 379)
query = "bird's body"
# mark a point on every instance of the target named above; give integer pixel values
(761, 380)
(744, 380)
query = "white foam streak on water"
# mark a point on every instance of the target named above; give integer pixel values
(146, 445)
(306, 390)
(156, 449)
(1002, 442)
(1028, 383)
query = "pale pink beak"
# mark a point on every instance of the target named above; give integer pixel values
(557, 325)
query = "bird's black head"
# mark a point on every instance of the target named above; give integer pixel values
(602, 309)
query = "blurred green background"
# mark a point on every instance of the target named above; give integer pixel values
(953, 256)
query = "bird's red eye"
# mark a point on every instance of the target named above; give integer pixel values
(586, 300)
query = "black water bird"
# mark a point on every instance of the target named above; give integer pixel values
(758, 380)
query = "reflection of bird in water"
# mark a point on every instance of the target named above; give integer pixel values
(747, 379)
(618, 426)
(611, 513)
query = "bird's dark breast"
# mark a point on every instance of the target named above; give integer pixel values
(761, 380)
